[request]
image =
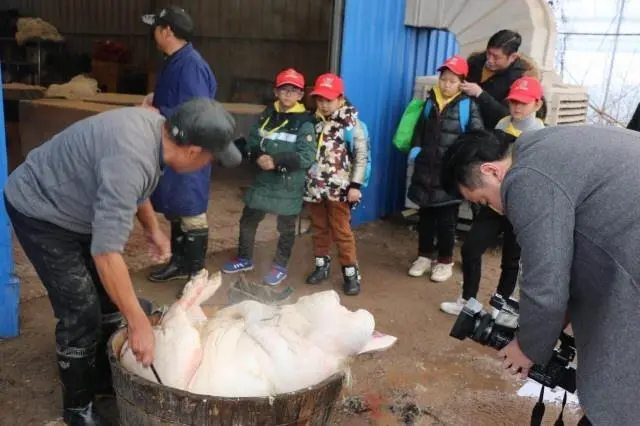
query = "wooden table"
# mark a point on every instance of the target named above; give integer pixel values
(41, 119)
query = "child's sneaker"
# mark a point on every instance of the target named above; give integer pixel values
(420, 266)
(453, 308)
(442, 272)
(276, 275)
(238, 264)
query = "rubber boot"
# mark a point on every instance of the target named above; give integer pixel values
(173, 270)
(76, 375)
(351, 274)
(103, 384)
(195, 251)
(322, 270)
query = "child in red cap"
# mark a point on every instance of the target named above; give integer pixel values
(282, 145)
(525, 100)
(334, 181)
(447, 114)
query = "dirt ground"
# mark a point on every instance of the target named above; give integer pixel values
(427, 378)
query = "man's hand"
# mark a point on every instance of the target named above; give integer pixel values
(116, 280)
(266, 163)
(159, 246)
(471, 89)
(514, 359)
(142, 341)
(354, 195)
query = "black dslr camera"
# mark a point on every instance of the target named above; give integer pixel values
(498, 327)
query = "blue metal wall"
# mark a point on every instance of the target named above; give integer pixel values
(9, 289)
(380, 60)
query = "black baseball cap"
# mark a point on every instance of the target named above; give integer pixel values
(205, 122)
(175, 17)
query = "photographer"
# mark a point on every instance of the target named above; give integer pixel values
(572, 196)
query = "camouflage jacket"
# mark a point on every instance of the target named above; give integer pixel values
(337, 168)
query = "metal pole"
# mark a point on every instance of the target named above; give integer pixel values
(335, 44)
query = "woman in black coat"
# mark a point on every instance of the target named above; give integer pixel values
(447, 114)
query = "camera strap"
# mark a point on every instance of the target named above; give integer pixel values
(538, 410)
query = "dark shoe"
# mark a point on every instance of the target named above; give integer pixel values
(77, 375)
(195, 251)
(174, 269)
(352, 277)
(322, 271)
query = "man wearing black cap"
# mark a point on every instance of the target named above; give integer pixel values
(182, 197)
(72, 204)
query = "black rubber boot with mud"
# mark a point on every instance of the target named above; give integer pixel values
(322, 270)
(351, 274)
(195, 251)
(103, 385)
(77, 375)
(174, 270)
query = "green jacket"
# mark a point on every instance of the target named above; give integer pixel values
(289, 138)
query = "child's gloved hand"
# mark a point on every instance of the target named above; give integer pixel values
(414, 152)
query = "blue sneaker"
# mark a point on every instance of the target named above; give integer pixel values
(276, 276)
(236, 265)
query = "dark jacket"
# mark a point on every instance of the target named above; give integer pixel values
(492, 102)
(289, 138)
(185, 75)
(435, 134)
(634, 123)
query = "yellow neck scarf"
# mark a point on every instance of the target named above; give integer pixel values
(440, 100)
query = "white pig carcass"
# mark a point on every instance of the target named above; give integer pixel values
(178, 351)
(251, 349)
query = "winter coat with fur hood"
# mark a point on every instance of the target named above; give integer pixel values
(492, 101)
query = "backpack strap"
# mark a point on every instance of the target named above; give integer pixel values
(464, 113)
(428, 106)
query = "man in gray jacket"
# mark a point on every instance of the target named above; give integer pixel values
(72, 204)
(573, 196)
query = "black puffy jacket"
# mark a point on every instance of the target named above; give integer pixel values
(435, 134)
(492, 102)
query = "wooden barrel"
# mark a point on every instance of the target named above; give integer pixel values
(144, 403)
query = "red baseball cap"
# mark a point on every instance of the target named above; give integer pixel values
(290, 76)
(329, 86)
(457, 65)
(526, 90)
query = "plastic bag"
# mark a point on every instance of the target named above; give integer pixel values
(408, 122)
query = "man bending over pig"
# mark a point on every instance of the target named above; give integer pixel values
(72, 204)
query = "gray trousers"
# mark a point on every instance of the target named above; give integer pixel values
(249, 222)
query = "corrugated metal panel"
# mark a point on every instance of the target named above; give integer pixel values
(9, 285)
(381, 58)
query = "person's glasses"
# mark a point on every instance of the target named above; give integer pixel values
(289, 90)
